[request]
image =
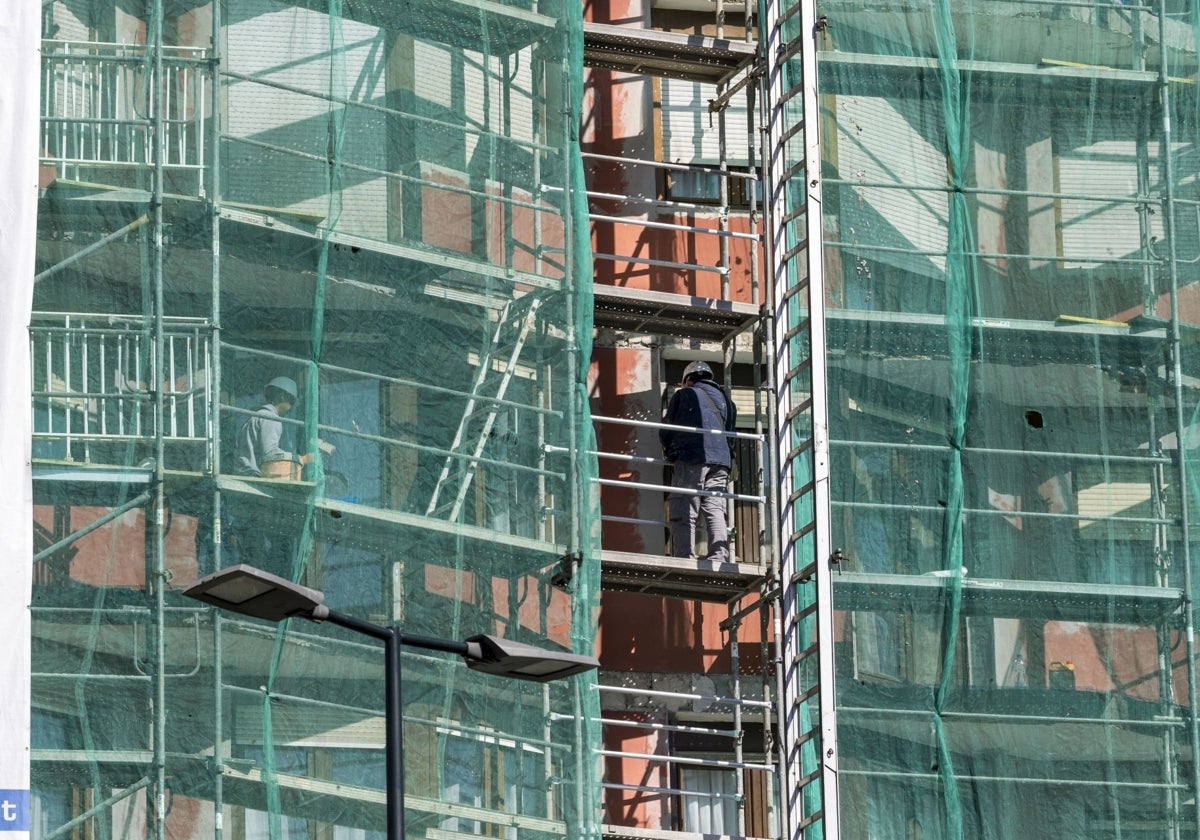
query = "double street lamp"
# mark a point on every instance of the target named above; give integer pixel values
(253, 592)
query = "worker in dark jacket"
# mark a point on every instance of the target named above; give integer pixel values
(700, 461)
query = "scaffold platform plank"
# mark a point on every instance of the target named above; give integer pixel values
(994, 598)
(992, 79)
(625, 832)
(381, 526)
(677, 577)
(101, 485)
(454, 22)
(667, 313)
(673, 55)
(368, 527)
(449, 267)
(304, 796)
(909, 334)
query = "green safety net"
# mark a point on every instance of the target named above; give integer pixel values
(378, 205)
(1011, 255)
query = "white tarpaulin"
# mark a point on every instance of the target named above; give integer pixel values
(20, 45)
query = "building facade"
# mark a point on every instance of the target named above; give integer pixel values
(310, 295)
(967, 338)
(942, 256)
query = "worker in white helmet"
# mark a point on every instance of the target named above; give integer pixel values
(260, 439)
(699, 461)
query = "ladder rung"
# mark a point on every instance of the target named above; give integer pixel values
(801, 491)
(808, 695)
(815, 647)
(809, 820)
(799, 409)
(815, 775)
(808, 736)
(796, 536)
(805, 613)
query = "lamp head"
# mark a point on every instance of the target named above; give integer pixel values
(253, 592)
(505, 658)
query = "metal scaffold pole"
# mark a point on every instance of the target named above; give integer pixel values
(157, 579)
(1180, 417)
(215, 388)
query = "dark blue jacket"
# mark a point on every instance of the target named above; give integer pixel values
(704, 405)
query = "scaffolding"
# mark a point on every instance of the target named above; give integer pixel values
(238, 192)
(979, 237)
(678, 251)
(1014, 593)
(943, 257)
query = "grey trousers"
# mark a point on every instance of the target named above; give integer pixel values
(682, 510)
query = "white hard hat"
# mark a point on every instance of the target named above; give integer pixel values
(283, 383)
(696, 370)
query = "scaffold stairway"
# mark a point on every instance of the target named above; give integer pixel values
(519, 315)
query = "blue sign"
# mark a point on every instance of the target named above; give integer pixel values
(14, 810)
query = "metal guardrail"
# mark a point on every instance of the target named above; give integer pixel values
(96, 106)
(664, 488)
(92, 379)
(637, 213)
(662, 772)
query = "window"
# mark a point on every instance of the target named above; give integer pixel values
(714, 809)
(702, 185)
(707, 784)
(689, 132)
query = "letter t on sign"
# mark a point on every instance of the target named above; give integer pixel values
(14, 810)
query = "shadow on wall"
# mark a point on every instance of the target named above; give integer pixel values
(623, 384)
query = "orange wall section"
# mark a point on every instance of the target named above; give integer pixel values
(646, 633)
(623, 383)
(114, 554)
(690, 248)
(618, 120)
(617, 113)
(637, 809)
(1111, 658)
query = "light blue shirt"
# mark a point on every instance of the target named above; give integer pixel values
(259, 441)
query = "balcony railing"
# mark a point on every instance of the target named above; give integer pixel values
(97, 107)
(625, 471)
(93, 380)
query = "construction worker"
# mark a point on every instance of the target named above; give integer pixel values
(259, 441)
(699, 461)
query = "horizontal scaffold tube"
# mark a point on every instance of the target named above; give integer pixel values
(648, 424)
(681, 491)
(677, 695)
(694, 762)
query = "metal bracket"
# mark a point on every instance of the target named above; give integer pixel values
(566, 573)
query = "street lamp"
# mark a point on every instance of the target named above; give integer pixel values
(253, 592)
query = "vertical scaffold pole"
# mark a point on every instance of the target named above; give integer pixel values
(156, 580)
(1180, 417)
(214, 424)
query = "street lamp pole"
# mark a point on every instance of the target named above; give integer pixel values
(393, 747)
(249, 591)
(393, 639)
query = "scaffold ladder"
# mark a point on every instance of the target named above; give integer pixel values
(804, 625)
(459, 463)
